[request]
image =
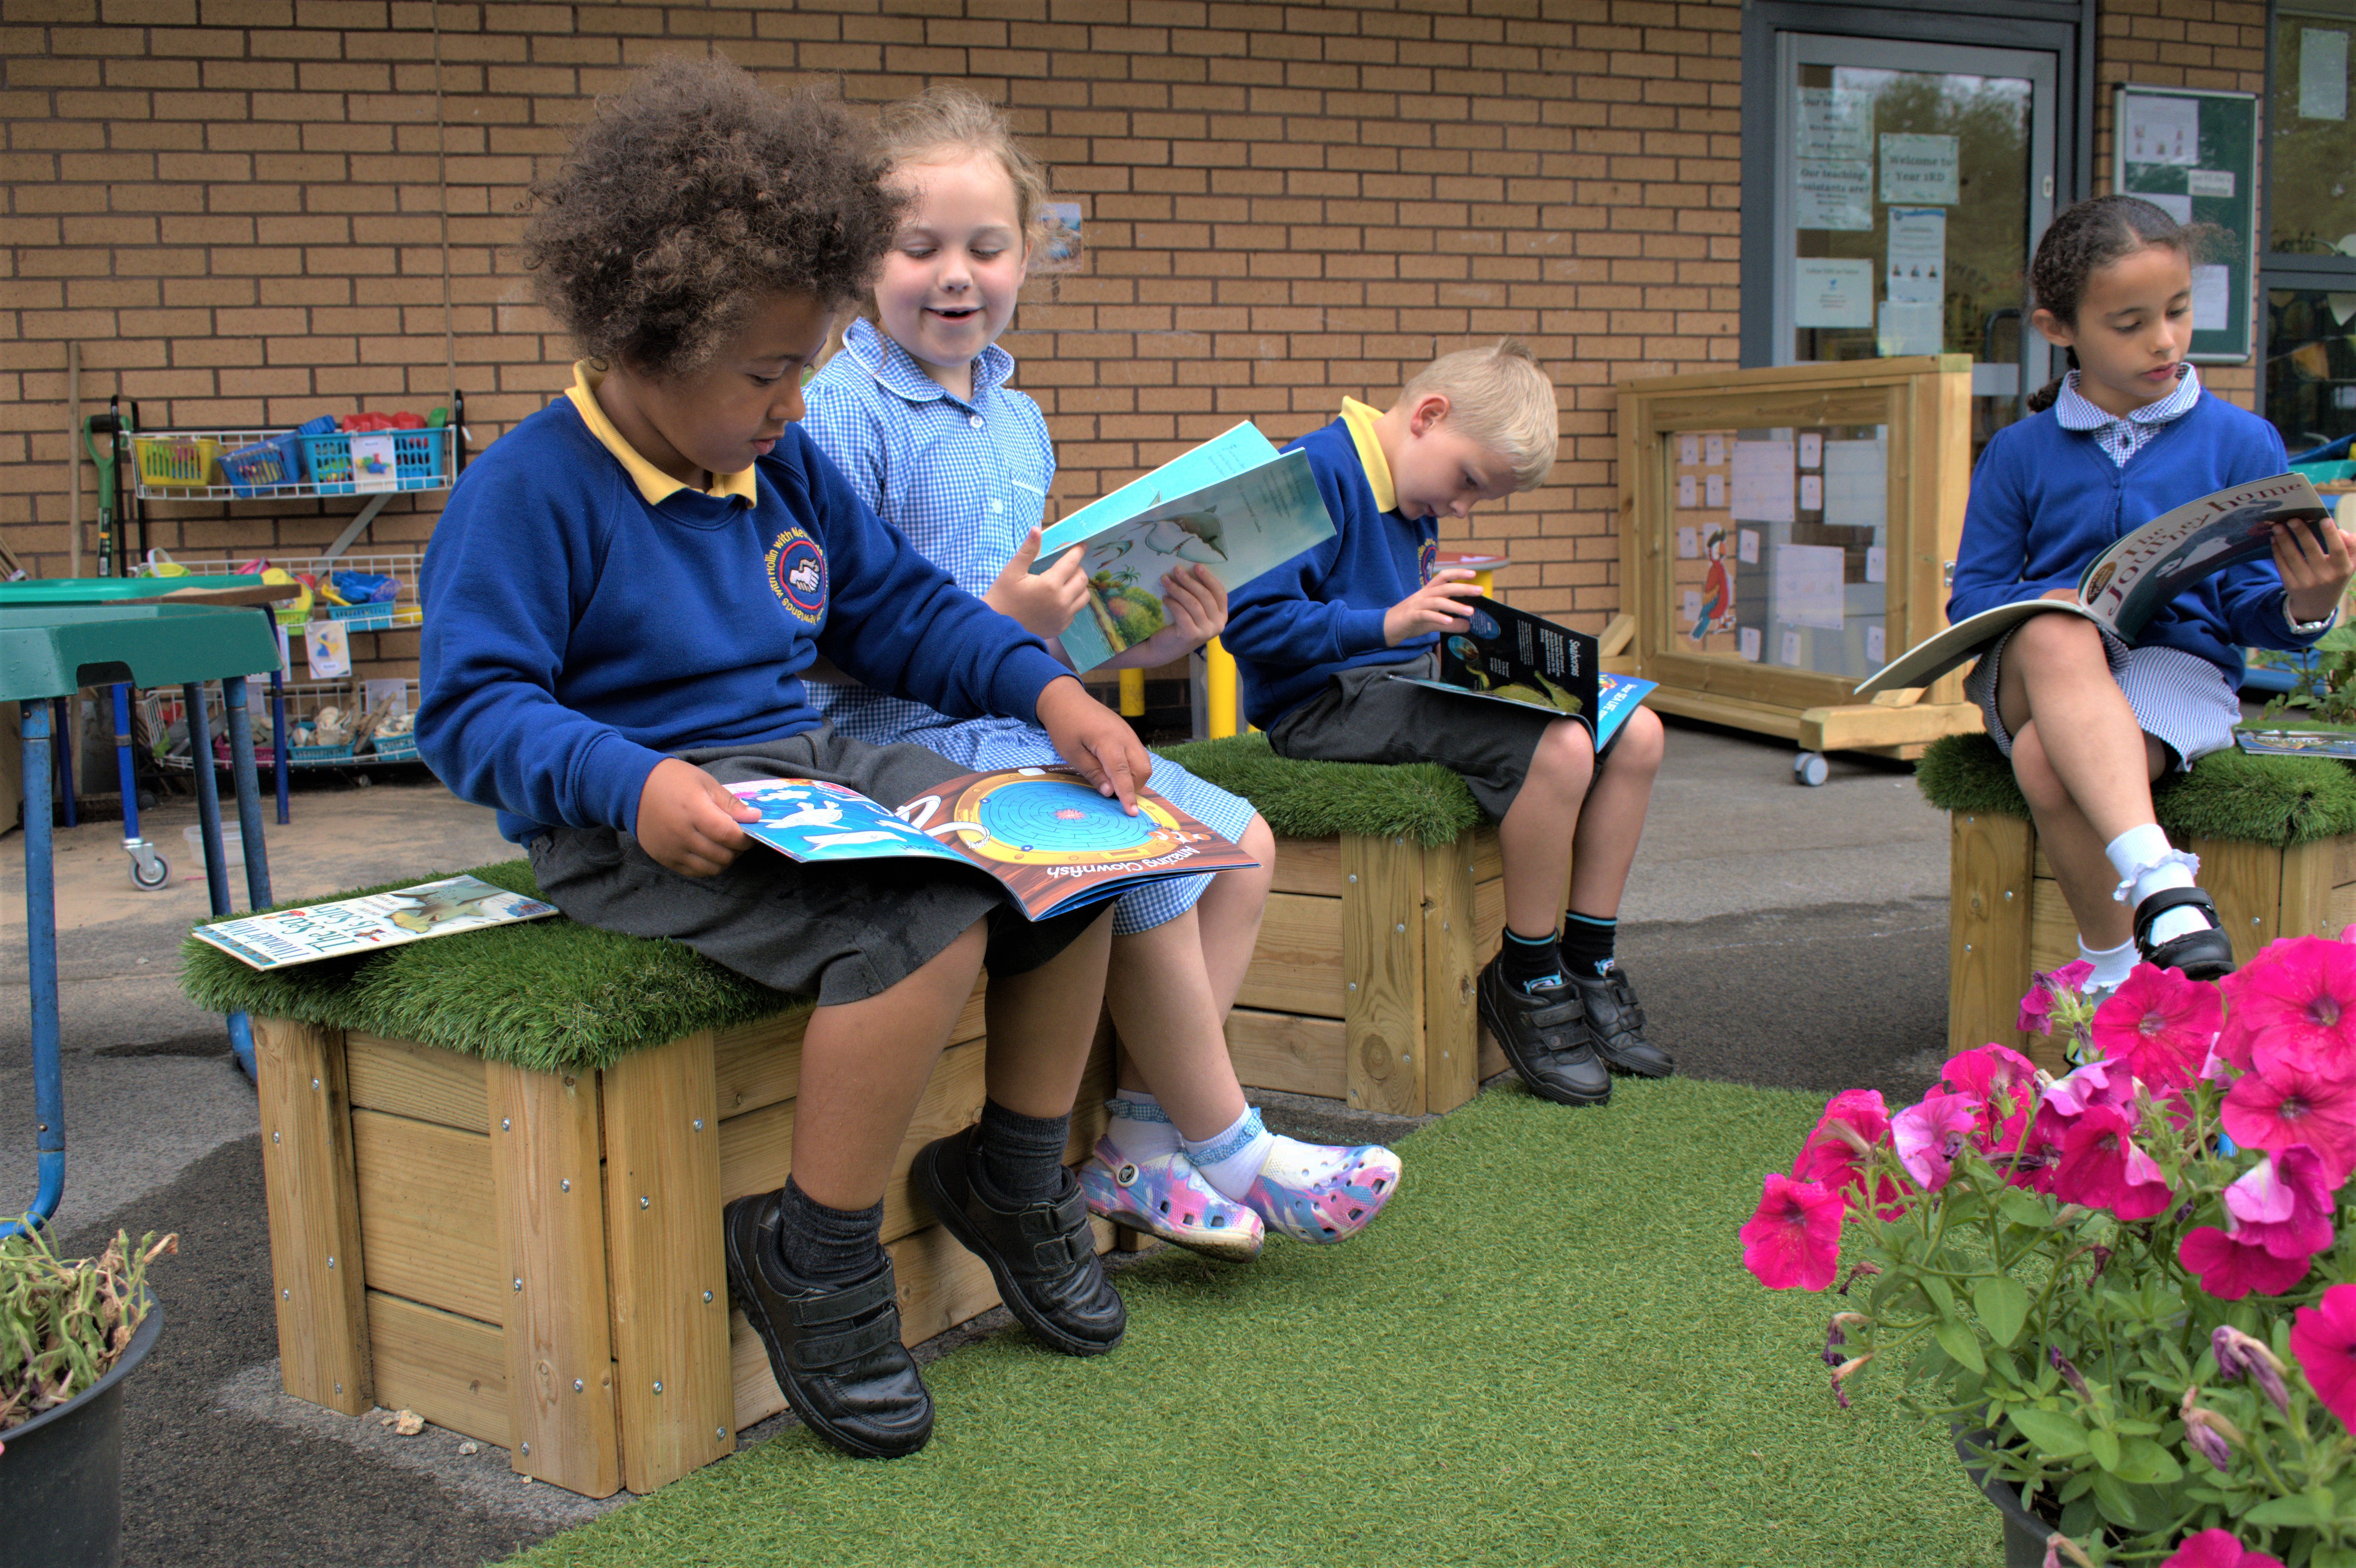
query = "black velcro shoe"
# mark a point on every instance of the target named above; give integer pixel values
(2197, 955)
(1616, 1020)
(836, 1352)
(1042, 1255)
(1544, 1036)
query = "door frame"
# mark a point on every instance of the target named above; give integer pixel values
(2063, 28)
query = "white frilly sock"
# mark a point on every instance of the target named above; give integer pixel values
(2147, 863)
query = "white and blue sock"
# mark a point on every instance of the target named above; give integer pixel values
(2147, 864)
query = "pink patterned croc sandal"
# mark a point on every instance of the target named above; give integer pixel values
(1166, 1197)
(1322, 1192)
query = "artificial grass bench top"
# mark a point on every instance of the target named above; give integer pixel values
(556, 997)
(2280, 801)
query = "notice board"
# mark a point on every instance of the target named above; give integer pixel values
(2195, 153)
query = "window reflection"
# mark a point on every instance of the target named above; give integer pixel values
(2311, 365)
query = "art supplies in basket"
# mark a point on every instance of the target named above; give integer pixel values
(444, 908)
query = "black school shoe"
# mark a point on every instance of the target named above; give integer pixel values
(836, 1352)
(1544, 1036)
(1042, 1255)
(2197, 955)
(1616, 1020)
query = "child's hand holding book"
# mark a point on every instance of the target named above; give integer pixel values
(687, 820)
(1044, 603)
(2315, 568)
(1096, 740)
(1432, 607)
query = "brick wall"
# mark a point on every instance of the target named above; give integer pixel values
(2218, 44)
(236, 209)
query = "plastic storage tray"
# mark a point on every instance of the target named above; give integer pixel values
(177, 461)
(417, 462)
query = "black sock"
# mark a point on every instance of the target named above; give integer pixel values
(1587, 942)
(827, 1246)
(1528, 964)
(1019, 1159)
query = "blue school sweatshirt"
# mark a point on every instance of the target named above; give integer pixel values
(576, 633)
(2045, 501)
(1322, 611)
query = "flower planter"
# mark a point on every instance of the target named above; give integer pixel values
(2024, 1532)
(62, 1473)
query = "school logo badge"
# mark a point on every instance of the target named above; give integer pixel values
(797, 575)
(1426, 560)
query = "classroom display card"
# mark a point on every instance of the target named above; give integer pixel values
(1505, 655)
(290, 936)
(1234, 506)
(1045, 835)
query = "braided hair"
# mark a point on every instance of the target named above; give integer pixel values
(2087, 237)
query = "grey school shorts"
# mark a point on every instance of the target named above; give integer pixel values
(1363, 716)
(840, 933)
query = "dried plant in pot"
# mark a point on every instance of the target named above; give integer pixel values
(2130, 1284)
(70, 1332)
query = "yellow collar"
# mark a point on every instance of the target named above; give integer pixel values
(654, 485)
(1361, 421)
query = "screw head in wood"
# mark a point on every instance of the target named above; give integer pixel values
(331, 1260)
(577, 1386)
(565, 1185)
(1401, 929)
(658, 1387)
(274, 1137)
(285, 1296)
(519, 1284)
(720, 1434)
(525, 1450)
(1353, 875)
(1354, 985)
(699, 1123)
(645, 1203)
(314, 1083)
(707, 1296)
(505, 1125)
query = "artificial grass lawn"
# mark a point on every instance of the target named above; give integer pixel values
(1546, 1352)
(2280, 801)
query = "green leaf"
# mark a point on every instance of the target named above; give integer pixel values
(2137, 1508)
(2003, 1304)
(2105, 1446)
(1943, 1299)
(2143, 1460)
(2053, 1436)
(2023, 1210)
(1960, 1342)
(2298, 1510)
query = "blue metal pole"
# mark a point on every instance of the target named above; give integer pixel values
(123, 769)
(62, 731)
(249, 793)
(200, 748)
(278, 743)
(41, 948)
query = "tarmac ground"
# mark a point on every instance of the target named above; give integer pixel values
(1780, 935)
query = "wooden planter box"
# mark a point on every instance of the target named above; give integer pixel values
(534, 1259)
(1361, 987)
(2007, 920)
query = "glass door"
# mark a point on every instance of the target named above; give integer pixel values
(1913, 180)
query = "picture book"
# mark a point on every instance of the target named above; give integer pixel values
(1233, 505)
(2312, 739)
(1505, 655)
(2123, 588)
(289, 936)
(1049, 838)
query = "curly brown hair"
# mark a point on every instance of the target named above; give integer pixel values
(2087, 237)
(694, 193)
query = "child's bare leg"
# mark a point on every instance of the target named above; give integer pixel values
(1042, 1023)
(864, 1064)
(1613, 817)
(1168, 1015)
(1536, 832)
(2056, 676)
(2073, 843)
(1228, 914)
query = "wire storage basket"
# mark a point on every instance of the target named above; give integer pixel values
(307, 703)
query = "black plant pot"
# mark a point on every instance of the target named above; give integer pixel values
(62, 1478)
(2024, 1532)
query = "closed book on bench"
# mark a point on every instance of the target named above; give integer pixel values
(1044, 834)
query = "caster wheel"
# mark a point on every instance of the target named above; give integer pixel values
(146, 800)
(1811, 769)
(139, 878)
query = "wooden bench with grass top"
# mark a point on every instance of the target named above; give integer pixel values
(495, 1169)
(2277, 838)
(1387, 899)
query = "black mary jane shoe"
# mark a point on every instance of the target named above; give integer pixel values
(1616, 1020)
(1042, 1255)
(1546, 1037)
(836, 1351)
(2197, 955)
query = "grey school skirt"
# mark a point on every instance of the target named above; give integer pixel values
(2179, 700)
(841, 932)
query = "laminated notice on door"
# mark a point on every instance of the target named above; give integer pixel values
(1916, 272)
(1920, 170)
(1834, 122)
(1833, 193)
(1832, 292)
(2162, 130)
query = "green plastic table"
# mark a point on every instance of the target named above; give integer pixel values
(51, 651)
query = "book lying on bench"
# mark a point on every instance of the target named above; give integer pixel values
(287, 936)
(1505, 655)
(1234, 504)
(1049, 838)
(2313, 738)
(2123, 588)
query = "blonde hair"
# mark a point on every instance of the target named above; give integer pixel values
(1499, 399)
(956, 120)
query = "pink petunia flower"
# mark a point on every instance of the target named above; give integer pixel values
(1794, 1238)
(1854, 1121)
(2300, 1006)
(2160, 1025)
(2283, 1204)
(2323, 1343)
(2095, 1083)
(2005, 1083)
(2230, 1268)
(2102, 1167)
(2291, 1105)
(2218, 1548)
(1930, 1134)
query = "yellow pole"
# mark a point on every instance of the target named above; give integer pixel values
(1133, 694)
(1487, 579)
(1221, 678)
